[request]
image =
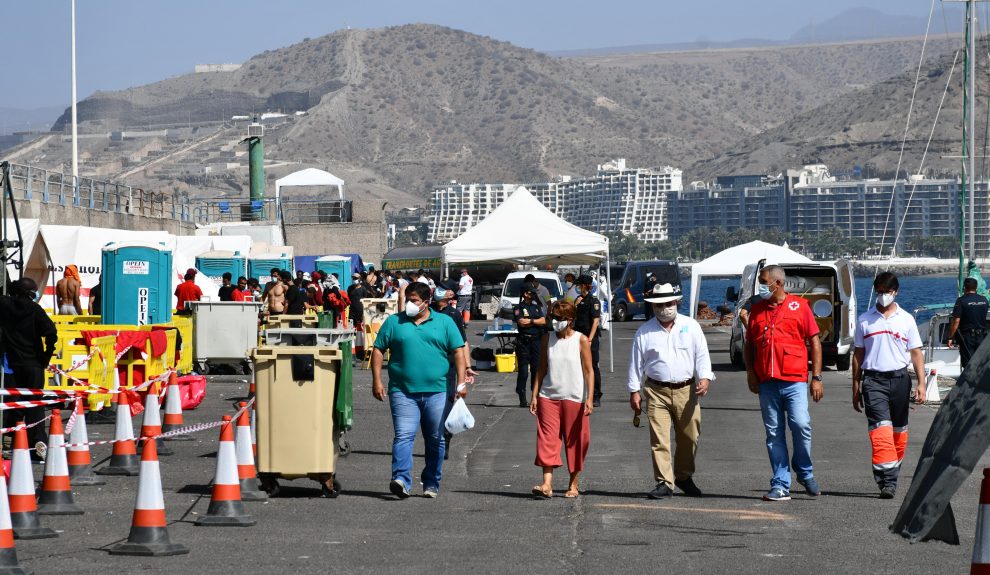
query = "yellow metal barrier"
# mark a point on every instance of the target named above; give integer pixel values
(98, 371)
(143, 358)
(71, 346)
(60, 319)
(184, 324)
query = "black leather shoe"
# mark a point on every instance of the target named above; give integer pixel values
(522, 400)
(688, 487)
(888, 492)
(660, 491)
(597, 402)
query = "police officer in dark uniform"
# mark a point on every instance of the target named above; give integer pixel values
(587, 321)
(969, 321)
(531, 325)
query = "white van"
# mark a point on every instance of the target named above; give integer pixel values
(829, 288)
(513, 285)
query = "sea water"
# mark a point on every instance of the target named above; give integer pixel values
(914, 291)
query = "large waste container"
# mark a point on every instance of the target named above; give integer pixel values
(224, 333)
(300, 336)
(260, 266)
(296, 422)
(137, 283)
(214, 264)
(340, 265)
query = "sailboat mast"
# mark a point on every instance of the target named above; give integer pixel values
(971, 126)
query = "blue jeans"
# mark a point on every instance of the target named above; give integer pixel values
(412, 411)
(780, 399)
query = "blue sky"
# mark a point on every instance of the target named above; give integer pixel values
(124, 43)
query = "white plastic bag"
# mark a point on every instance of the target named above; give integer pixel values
(459, 419)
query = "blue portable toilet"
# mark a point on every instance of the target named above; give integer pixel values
(137, 283)
(340, 265)
(260, 265)
(214, 264)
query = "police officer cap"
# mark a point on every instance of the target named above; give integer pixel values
(528, 289)
(585, 279)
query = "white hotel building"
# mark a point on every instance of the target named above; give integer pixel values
(632, 201)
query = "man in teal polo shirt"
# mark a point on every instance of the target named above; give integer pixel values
(421, 347)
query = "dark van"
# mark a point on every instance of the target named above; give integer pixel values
(627, 293)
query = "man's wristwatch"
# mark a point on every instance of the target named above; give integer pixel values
(816, 378)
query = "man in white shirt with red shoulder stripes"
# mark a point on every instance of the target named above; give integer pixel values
(887, 341)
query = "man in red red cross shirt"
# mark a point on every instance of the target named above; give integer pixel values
(187, 291)
(780, 332)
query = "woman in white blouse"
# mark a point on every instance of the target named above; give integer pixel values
(562, 399)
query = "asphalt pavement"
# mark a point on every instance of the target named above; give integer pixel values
(486, 521)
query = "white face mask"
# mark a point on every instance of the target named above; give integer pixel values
(412, 310)
(666, 313)
(559, 324)
(567, 285)
(885, 299)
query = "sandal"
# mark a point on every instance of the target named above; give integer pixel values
(545, 493)
(572, 493)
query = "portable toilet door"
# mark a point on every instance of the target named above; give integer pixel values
(340, 265)
(137, 283)
(260, 266)
(214, 264)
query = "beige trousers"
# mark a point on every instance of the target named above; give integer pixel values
(678, 408)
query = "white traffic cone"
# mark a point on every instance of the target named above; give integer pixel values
(931, 388)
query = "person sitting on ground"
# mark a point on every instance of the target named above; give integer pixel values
(67, 292)
(562, 399)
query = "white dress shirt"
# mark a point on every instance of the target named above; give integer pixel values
(674, 355)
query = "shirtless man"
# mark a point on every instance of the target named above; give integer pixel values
(276, 296)
(67, 292)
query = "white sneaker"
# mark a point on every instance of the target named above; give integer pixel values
(431, 493)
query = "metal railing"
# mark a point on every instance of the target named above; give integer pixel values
(29, 183)
(293, 211)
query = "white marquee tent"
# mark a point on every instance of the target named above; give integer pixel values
(523, 231)
(732, 262)
(308, 177)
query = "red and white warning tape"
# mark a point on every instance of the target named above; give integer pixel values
(33, 403)
(25, 426)
(181, 431)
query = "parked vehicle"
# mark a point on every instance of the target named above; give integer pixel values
(627, 293)
(513, 285)
(830, 290)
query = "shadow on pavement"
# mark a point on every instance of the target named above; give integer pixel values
(509, 494)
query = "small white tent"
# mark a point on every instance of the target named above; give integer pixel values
(732, 262)
(523, 231)
(307, 177)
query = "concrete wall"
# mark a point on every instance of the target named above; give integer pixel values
(365, 235)
(69, 215)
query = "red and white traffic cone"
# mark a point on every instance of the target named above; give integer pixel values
(226, 508)
(78, 455)
(149, 532)
(173, 410)
(246, 473)
(23, 506)
(8, 555)
(124, 459)
(981, 545)
(151, 423)
(56, 493)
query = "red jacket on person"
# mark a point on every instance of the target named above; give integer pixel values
(779, 334)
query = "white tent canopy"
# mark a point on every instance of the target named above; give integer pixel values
(732, 262)
(523, 231)
(308, 177)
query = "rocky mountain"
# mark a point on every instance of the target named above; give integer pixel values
(866, 128)
(397, 109)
